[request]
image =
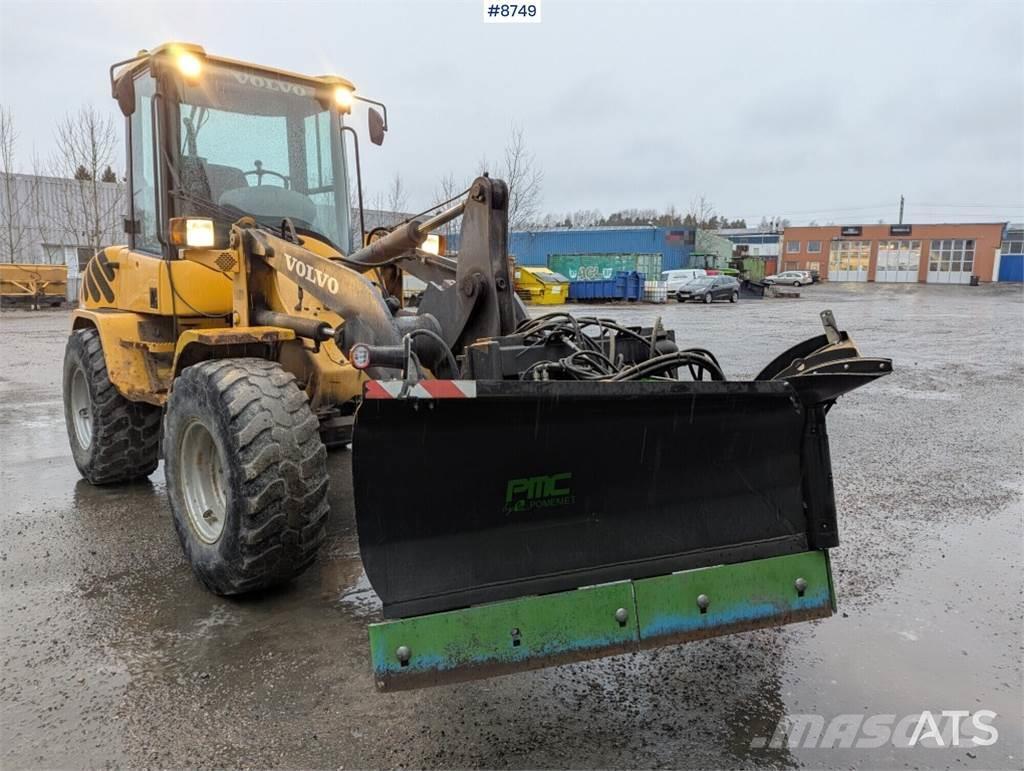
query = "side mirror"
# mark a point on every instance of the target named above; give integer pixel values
(377, 127)
(124, 92)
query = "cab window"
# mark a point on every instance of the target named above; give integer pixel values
(143, 168)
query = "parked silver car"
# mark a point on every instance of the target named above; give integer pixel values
(791, 277)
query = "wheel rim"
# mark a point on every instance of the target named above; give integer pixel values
(201, 479)
(81, 408)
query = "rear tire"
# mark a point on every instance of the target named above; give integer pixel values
(246, 474)
(734, 297)
(112, 438)
(707, 298)
(796, 283)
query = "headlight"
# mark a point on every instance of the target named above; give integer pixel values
(198, 233)
(433, 245)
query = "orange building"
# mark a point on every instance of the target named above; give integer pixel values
(936, 254)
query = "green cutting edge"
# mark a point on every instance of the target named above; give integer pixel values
(596, 621)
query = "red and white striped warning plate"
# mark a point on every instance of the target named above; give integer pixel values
(425, 389)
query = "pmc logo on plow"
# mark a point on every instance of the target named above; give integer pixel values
(540, 492)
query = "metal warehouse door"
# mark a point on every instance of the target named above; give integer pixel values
(848, 260)
(898, 261)
(951, 261)
(1011, 267)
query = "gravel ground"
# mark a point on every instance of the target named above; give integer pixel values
(113, 655)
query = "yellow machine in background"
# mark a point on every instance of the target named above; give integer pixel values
(541, 286)
(33, 284)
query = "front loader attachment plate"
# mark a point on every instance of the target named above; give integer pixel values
(473, 492)
(592, 622)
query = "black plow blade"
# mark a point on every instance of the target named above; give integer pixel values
(468, 492)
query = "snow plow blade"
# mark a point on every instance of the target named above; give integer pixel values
(597, 621)
(472, 492)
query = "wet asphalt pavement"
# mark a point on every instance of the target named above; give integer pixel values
(113, 654)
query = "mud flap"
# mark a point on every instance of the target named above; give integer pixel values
(471, 492)
(626, 616)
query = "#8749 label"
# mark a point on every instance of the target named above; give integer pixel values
(511, 13)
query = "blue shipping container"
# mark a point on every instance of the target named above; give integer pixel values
(534, 247)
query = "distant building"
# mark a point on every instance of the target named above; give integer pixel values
(934, 254)
(1011, 257)
(755, 242)
(674, 244)
(711, 250)
(51, 220)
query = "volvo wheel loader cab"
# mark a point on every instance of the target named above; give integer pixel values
(167, 348)
(519, 483)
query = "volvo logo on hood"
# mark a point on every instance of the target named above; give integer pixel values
(309, 273)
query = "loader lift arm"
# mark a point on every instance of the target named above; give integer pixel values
(467, 299)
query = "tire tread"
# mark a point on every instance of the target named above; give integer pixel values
(284, 485)
(126, 434)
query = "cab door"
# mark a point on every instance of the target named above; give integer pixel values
(144, 171)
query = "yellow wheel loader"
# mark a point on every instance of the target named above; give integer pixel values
(528, 491)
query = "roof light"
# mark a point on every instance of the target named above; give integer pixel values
(188, 65)
(343, 98)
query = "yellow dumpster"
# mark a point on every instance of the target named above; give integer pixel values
(540, 286)
(33, 284)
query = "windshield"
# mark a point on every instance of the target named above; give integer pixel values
(262, 146)
(702, 280)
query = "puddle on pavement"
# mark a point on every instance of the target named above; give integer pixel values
(343, 580)
(937, 641)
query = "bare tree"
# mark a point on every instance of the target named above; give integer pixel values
(85, 149)
(447, 188)
(524, 179)
(10, 220)
(701, 213)
(586, 218)
(397, 197)
(16, 196)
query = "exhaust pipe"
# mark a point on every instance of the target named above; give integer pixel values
(308, 328)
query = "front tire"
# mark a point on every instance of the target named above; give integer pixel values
(246, 474)
(707, 298)
(112, 438)
(734, 297)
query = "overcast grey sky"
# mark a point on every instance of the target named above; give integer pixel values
(823, 110)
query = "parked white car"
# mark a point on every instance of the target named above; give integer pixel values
(792, 277)
(677, 279)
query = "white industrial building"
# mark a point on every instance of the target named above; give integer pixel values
(58, 221)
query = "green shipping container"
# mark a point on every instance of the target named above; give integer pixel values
(601, 267)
